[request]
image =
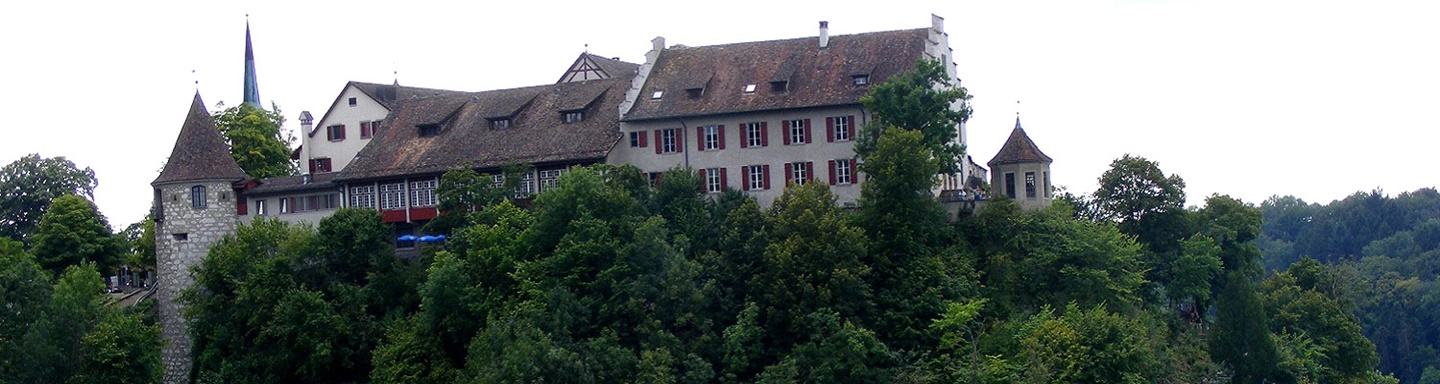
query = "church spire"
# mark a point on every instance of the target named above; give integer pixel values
(252, 88)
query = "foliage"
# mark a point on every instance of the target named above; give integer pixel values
(1143, 202)
(28, 185)
(925, 100)
(24, 290)
(256, 141)
(1330, 347)
(72, 232)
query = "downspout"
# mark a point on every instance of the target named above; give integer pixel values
(685, 138)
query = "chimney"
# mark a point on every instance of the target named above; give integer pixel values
(824, 34)
(657, 44)
(306, 121)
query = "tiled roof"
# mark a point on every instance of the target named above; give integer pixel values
(391, 94)
(614, 67)
(200, 151)
(292, 184)
(816, 76)
(536, 135)
(1019, 149)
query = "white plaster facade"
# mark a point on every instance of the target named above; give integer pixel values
(1009, 180)
(819, 151)
(316, 143)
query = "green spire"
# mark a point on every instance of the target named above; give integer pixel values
(252, 88)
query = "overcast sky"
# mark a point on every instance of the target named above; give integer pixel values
(1316, 99)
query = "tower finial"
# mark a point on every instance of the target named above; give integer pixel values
(1017, 114)
(587, 47)
(395, 71)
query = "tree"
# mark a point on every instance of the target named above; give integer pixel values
(71, 232)
(28, 185)
(1145, 203)
(1301, 304)
(54, 342)
(1241, 337)
(256, 141)
(24, 290)
(923, 99)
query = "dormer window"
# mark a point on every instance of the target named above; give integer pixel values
(695, 93)
(573, 116)
(657, 95)
(749, 88)
(779, 86)
(861, 80)
(501, 123)
(429, 130)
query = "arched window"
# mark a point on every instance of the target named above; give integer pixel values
(197, 197)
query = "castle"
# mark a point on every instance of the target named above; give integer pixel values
(752, 116)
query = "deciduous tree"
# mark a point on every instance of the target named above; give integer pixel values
(257, 143)
(28, 185)
(72, 232)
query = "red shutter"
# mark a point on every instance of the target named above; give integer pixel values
(807, 131)
(704, 184)
(789, 173)
(724, 181)
(720, 130)
(830, 130)
(312, 165)
(764, 134)
(744, 135)
(643, 138)
(700, 138)
(745, 178)
(765, 171)
(785, 131)
(659, 143)
(341, 135)
(679, 144)
(850, 126)
(809, 171)
(832, 172)
(854, 172)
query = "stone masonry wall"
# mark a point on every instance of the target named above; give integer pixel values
(181, 241)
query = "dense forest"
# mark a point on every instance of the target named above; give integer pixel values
(612, 278)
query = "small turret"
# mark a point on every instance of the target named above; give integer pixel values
(1020, 171)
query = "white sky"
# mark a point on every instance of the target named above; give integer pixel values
(1317, 99)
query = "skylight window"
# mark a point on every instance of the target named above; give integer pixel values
(657, 95)
(861, 79)
(749, 88)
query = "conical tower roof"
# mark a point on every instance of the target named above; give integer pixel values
(1019, 149)
(200, 151)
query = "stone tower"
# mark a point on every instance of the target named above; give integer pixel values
(195, 205)
(1021, 172)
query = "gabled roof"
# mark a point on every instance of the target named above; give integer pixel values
(200, 151)
(391, 94)
(536, 135)
(815, 76)
(603, 66)
(1019, 149)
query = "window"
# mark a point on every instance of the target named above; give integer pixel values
(500, 123)
(335, 132)
(392, 196)
(197, 197)
(797, 173)
(714, 179)
(321, 165)
(526, 186)
(550, 178)
(635, 138)
(842, 172)
(710, 137)
(1030, 185)
(1010, 185)
(749, 88)
(368, 129)
(861, 80)
(498, 180)
(429, 130)
(353, 102)
(362, 197)
(797, 131)
(757, 177)
(180, 236)
(695, 93)
(309, 203)
(657, 95)
(654, 178)
(840, 128)
(668, 141)
(287, 205)
(422, 193)
(574, 116)
(260, 208)
(755, 135)
(779, 86)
